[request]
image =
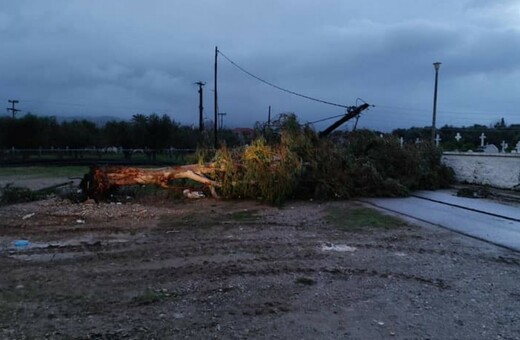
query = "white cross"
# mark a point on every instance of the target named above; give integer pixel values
(504, 146)
(437, 140)
(482, 137)
(458, 137)
(401, 141)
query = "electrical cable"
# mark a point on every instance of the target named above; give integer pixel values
(324, 119)
(279, 87)
(388, 107)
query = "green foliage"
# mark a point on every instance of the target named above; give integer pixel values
(260, 171)
(364, 164)
(298, 163)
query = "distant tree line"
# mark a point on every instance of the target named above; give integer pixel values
(142, 131)
(495, 134)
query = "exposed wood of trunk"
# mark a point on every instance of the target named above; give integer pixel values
(101, 179)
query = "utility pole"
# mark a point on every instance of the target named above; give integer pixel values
(436, 65)
(221, 115)
(12, 108)
(269, 117)
(201, 107)
(216, 101)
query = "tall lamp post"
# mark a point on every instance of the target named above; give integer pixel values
(436, 65)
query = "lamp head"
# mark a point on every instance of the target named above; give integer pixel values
(437, 65)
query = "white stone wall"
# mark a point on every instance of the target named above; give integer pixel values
(499, 170)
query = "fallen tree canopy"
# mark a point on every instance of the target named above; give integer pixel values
(295, 163)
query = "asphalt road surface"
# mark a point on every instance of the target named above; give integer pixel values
(487, 220)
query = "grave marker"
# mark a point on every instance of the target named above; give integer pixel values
(504, 146)
(458, 137)
(437, 140)
(482, 137)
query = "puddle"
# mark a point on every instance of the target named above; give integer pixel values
(338, 247)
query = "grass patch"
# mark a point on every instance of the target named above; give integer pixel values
(359, 218)
(243, 216)
(44, 171)
(209, 219)
(305, 281)
(13, 195)
(152, 296)
(200, 220)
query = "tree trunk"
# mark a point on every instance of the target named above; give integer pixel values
(101, 179)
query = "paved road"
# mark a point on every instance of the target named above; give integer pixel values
(502, 227)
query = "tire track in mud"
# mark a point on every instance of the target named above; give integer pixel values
(163, 254)
(261, 268)
(159, 248)
(269, 259)
(277, 262)
(229, 271)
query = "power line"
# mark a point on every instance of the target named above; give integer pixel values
(324, 119)
(400, 108)
(279, 87)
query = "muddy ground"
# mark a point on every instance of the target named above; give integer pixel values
(175, 269)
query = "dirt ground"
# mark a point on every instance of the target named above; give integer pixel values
(175, 269)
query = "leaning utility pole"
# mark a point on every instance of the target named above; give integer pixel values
(12, 108)
(201, 108)
(352, 112)
(216, 102)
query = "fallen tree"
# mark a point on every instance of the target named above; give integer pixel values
(295, 162)
(259, 171)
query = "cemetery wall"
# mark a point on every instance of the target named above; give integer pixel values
(499, 170)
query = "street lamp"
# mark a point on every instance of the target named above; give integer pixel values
(436, 65)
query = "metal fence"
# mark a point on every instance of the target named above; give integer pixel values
(94, 155)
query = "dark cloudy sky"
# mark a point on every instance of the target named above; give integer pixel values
(121, 57)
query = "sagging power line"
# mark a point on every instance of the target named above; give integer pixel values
(279, 87)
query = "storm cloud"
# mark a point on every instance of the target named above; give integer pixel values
(119, 58)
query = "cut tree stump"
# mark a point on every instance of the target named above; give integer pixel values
(100, 180)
